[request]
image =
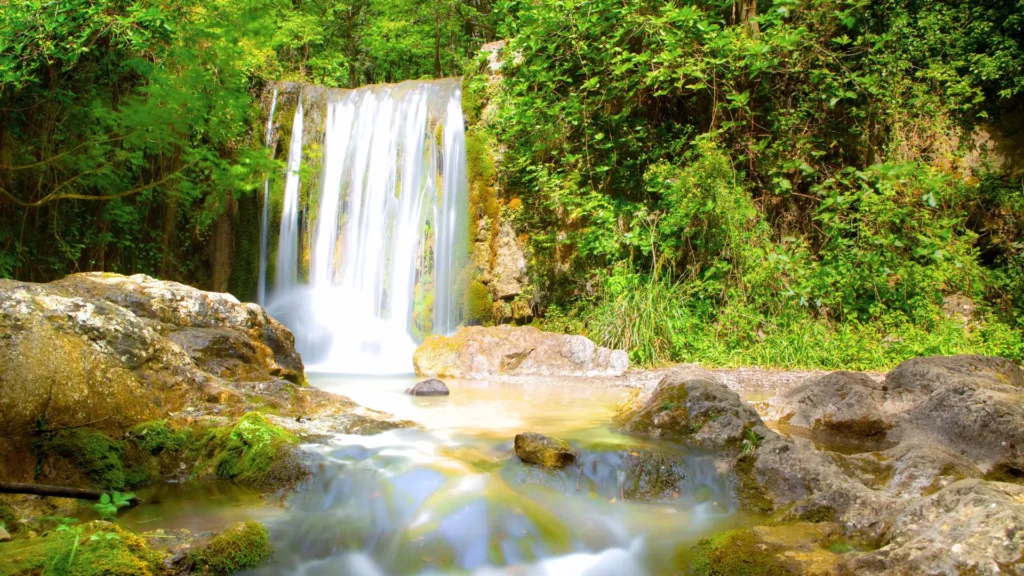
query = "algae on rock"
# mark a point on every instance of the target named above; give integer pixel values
(244, 546)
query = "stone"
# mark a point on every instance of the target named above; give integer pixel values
(432, 387)
(508, 273)
(4, 535)
(107, 352)
(690, 405)
(969, 527)
(476, 352)
(534, 448)
(799, 548)
(915, 379)
(846, 403)
(911, 469)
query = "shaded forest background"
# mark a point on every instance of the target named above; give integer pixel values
(794, 183)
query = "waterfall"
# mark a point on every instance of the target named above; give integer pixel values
(261, 288)
(391, 228)
(288, 240)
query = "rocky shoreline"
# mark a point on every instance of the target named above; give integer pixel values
(111, 383)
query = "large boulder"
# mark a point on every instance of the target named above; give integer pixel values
(847, 403)
(108, 352)
(692, 405)
(969, 527)
(478, 352)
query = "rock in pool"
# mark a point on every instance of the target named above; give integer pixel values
(432, 387)
(534, 448)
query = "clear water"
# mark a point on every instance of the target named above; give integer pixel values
(452, 497)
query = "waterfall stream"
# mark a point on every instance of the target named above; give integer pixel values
(388, 231)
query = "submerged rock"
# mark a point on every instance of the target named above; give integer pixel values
(432, 387)
(534, 448)
(801, 548)
(477, 352)
(691, 405)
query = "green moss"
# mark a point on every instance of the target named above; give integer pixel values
(157, 436)
(252, 452)
(99, 457)
(246, 545)
(245, 254)
(749, 492)
(734, 553)
(478, 304)
(818, 514)
(9, 520)
(102, 549)
(1002, 473)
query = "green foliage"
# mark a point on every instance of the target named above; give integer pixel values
(796, 189)
(251, 452)
(244, 546)
(751, 442)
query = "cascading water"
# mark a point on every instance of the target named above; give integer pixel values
(261, 288)
(391, 231)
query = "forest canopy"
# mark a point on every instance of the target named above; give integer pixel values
(816, 182)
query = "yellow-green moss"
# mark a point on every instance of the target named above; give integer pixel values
(734, 553)
(9, 520)
(246, 545)
(157, 436)
(102, 549)
(252, 452)
(478, 304)
(1000, 473)
(99, 457)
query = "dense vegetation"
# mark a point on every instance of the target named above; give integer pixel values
(786, 183)
(817, 182)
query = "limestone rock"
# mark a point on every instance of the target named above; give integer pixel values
(508, 275)
(432, 387)
(970, 527)
(534, 448)
(478, 352)
(915, 379)
(847, 403)
(113, 351)
(691, 405)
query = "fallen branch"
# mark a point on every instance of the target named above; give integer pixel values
(58, 491)
(53, 196)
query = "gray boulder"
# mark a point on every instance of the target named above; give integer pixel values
(432, 387)
(969, 527)
(847, 403)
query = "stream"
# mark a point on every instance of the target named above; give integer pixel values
(453, 498)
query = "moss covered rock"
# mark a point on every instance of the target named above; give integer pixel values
(534, 448)
(94, 549)
(690, 405)
(131, 349)
(800, 548)
(252, 452)
(246, 545)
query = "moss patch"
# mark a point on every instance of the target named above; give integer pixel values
(734, 553)
(94, 549)
(99, 457)
(478, 304)
(252, 452)
(1003, 473)
(749, 492)
(246, 545)
(9, 519)
(157, 436)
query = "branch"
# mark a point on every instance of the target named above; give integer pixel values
(53, 196)
(62, 154)
(58, 491)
